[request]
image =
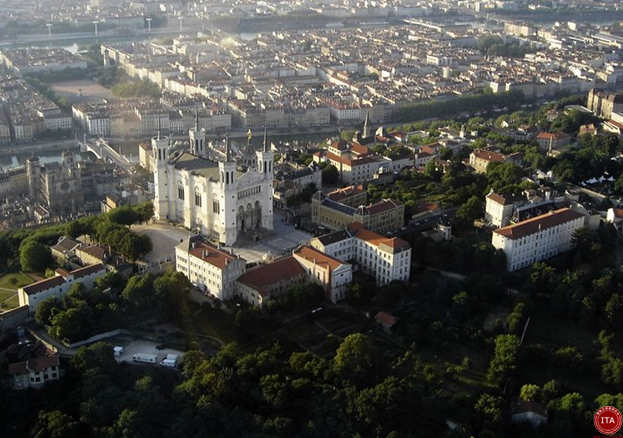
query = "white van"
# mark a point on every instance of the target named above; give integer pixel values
(145, 358)
(169, 361)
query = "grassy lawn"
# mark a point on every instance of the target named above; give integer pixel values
(14, 280)
(9, 283)
(8, 300)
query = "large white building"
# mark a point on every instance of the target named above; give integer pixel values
(57, 286)
(211, 269)
(538, 238)
(333, 274)
(219, 199)
(386, 259)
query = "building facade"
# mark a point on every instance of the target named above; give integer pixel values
(386, 259)
(329, 272)
(57, 286)
(386, 215)
(538, 238)
(220, 199)
(214, 271)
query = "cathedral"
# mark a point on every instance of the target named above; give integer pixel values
(222, 198)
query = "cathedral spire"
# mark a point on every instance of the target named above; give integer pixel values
(196, 119)
(227, 149)
(158, 126)
(265, 140)
(366, 125)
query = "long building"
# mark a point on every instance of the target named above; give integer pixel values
(57, 286)
(336, 211)
(387, 259)
(538, 238)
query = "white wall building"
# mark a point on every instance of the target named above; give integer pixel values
(538, 238)
(387, 259)
(34, 373)
(57, 286)
(216, 199)
(211, 269)
(333, 274)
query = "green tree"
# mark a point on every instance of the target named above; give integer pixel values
(46, 310)
(330, 175)
(530, 392)
(469, 212)
(504, 362)
(56, 424)
(355, 358)
(35, 256)
(123, 215)
(97, 357)
(73, 325)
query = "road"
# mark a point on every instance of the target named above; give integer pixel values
(38, 147)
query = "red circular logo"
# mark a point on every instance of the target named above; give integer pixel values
(608, 420)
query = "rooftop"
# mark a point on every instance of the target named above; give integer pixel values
(265, 275)
(318, 258)
(212, 255)
(539, 223)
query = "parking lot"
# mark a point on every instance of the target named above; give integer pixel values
(130, 348)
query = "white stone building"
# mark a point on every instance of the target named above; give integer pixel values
(57, 286)
(34, 373)
(387, 259)
(331, 273)
(538, 238)
(211, 269)
(219, 199)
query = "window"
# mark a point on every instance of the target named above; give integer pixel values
(180, 193)
(198, 199)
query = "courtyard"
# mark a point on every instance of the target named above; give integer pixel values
(282, 240)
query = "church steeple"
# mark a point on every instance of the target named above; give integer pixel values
(196, 119)
(227, 149)
(366, 125)
(265, 144)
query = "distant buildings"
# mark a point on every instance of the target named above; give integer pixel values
(338, 209)
(549, 141)
(479, 159)
(538, 238)
(40, 60)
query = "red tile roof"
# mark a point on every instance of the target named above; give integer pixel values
(498, 198)
(538, 223)
(552, 135)
(88, 270)
(263, 276)
(386, 319)
(358, 230)
(346, 192)
(384, 205)
(42, 285)
(320, 259)
(214, 256)
(49, 283)
(488, 155)
(35, 365)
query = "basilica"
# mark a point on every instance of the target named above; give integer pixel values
(221, 198)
